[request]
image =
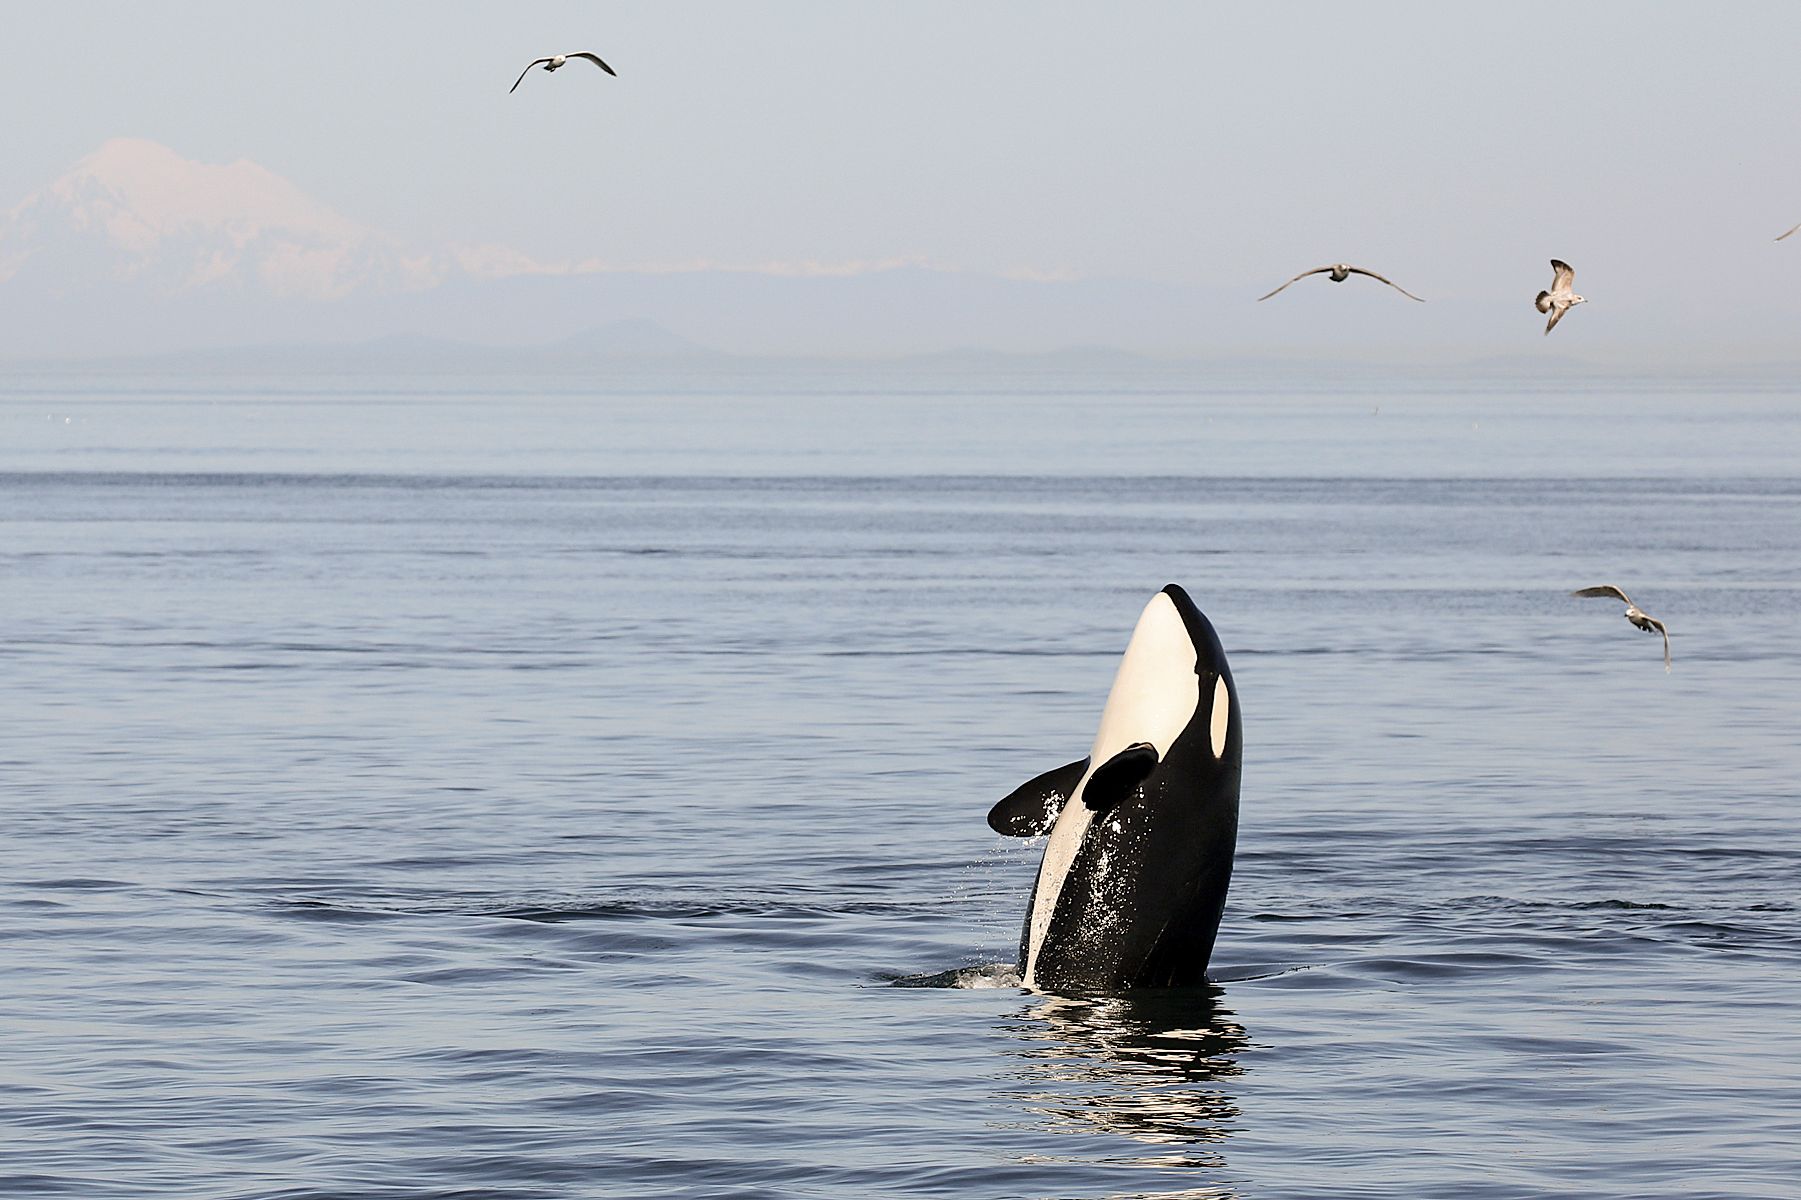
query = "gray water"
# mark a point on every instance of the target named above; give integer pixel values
(459, 788)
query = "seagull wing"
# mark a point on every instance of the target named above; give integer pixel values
(1391, 283)
(1564, 276)
(523, 74)
(1302, 275)
(1557, 311)
(1779, 237)
(1654, 623)
(595, 59)
(1606, 589)
(1647, 622)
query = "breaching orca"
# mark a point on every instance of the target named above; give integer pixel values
(1142, 830)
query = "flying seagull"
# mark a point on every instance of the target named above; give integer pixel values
(557, 60)
(1343, 271)
(1562, 297)
(1780, 236)
(1634, 613)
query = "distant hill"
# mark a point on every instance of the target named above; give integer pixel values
(631, 338)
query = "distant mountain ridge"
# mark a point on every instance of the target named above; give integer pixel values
(620, 343)
(640, 349)
(138, 251)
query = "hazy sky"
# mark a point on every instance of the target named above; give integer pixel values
(1453, 148)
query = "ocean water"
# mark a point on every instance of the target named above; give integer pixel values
(535, 789)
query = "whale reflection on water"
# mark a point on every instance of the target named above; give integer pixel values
(1148, 1066)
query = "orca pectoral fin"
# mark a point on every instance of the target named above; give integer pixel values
(1119, 776)
(1032, 807)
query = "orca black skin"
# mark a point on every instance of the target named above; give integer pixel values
(1134, 876)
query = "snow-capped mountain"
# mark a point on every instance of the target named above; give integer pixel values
(135, 212)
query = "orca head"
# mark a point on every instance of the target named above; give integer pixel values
(1173, 691)
(1218, 701)
(1169, 731)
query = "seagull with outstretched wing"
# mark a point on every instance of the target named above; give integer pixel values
(557, 60)
(1562, 297)
(1342, 271)
(1634, 613)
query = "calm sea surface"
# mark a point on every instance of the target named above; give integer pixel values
(533, 789)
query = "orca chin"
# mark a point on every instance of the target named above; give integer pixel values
(1142, 831)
